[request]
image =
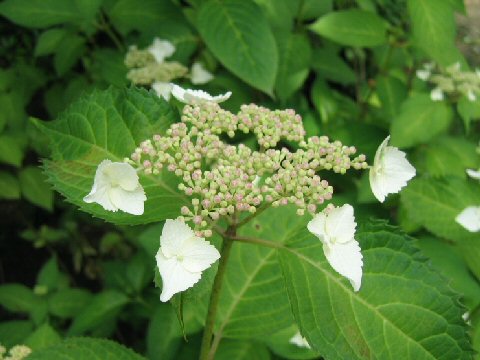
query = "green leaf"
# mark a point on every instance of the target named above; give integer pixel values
(68, 52)
(391, 92)
(238, 34)
(420, 120)
(164, 334)
(436, 202)
(280, 344)
(35, 187)
(352, 28)
(14, 332)
(253, 300)
(48, 41)
(18, 298)
(43, 337)
(109, 67)
(109, 125)
(103, 306)
(293, 67)
(433, 26)
(86, 349)
(331, 66)
(241, 350)
(468, 110)
(11, 151)
(49, 275)
(9, 187)
(67, 303)
(383, 319)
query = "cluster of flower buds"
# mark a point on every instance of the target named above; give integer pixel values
(18, 352)
(224, 180)
(451, 81)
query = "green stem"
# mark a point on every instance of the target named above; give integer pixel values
(255, 214)
(105, 26)
(205, 353)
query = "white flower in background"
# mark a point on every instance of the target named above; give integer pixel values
(182, 257)
(116, 187)
(473, 174)
(471, 95)
(199, 74)
(390, 171)
(423, 74)
(189, 96)
(336, 230)
(161, 49)
(437, 94)
(163, 89)
(300, 341)
(469, 218)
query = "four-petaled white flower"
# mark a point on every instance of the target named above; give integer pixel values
(390, 171)
(162, 89)
(189, 96)
(473, 174)
(200, 75)
(116, 187)
(182, 258)
(469, 218)
(423, 74)
(300, 341)
(437, 94)
(161, 49)
(336, 230)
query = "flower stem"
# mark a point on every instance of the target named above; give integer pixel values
(215, 295)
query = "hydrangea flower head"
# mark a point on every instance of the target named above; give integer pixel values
(182, 258)
(161, 49)
(189, 96)
(116, 187)
(390, 171)
(469, 218)
(335, 227)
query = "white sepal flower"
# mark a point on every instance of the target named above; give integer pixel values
(471, 95)
(161, 49)
(200, 75)
(300, 341)
(423, 74)
(189, 96)
(437, 94)
(473, 174)
(336, 230)
(116, 187)
(469, 218)
(163, 89)
(390, 171)
(182, 258)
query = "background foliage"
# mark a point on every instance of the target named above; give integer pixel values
(348, 67)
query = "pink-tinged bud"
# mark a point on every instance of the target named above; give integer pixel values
(197, 219)
(238, 197)
(327, 196)
(188, 191)
(215, 215)
(284, 201)
(207, 233)
(206, 203)
(171, 167)
(217, 199)
(312, 208)
(185, 210)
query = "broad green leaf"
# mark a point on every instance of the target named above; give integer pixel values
(471, 252)
(14, 332)
(352, 28)
(391, 92)
(332, 67)
(241, 350)
(102, 307)
(436, 202)
(433, 27)
(85, 349)
(468, 110)
(253, 300)
(280, 14)
(39, 13)
(280, 344)
(50, 276)
(420, 120)
(164, 334)
(450, 156)
(67, 303)
(48, 41)
(294, 63)
(9, 187)
(11, 151)
(238, 34)
(311, 9)
(109, 125)
(35, 187)
(18, 298)
(404, 309)
(43, 337)
(69, 50)
(109, 67)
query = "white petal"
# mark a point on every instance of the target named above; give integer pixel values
(390, 171)
(299, 340)
(175, 277)
(346, 259)
(131, 202)
(174, 234)
(436, 94)
(473, 174)
(198, 254)
(122, 174)
(469, 218)
(317, 226)
(423, 74)
(161, 49)
(341, 224)
(101, 185)
(199, 74)
(471, 96)
(162, 89)
(190, 96)
(178, 92)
